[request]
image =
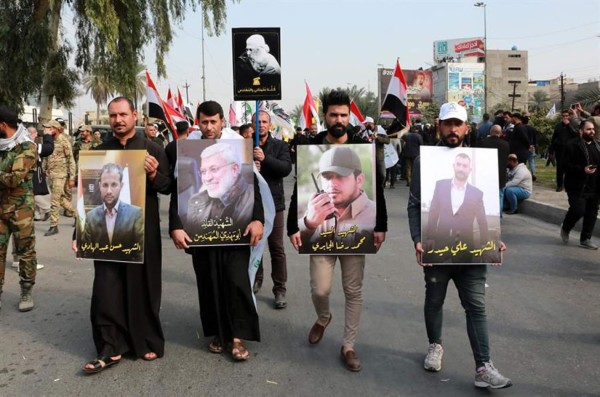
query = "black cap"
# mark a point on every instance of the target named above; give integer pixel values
(8, 115)
(182, 126)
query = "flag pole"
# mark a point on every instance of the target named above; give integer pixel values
(256, 134)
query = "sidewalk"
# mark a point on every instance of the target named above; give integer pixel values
(550, 206)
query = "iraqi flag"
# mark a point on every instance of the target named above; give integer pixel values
(395, 100)
(309, 110)
(155, 103)
(356, 117)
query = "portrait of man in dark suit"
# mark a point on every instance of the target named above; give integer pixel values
(114, 230)
(455, 206)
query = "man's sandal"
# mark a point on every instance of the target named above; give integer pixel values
(100, 364)
(215, 346)
(239, 352)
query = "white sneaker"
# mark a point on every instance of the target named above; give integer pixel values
(433, 359)
(16, 266)
(488, 376)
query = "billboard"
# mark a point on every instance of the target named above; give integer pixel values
(419, 90)
(466, 86)
(454, 49)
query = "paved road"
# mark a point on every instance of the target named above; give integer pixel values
(542, 306)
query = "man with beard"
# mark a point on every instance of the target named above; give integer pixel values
(469, 280)
(272, 158)
(581, 157)
(563, 133)
(336, 107)
(17, 162)
(227, 309)
(126, 296)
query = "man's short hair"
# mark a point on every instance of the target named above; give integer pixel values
(182, 126)
(9, 117)
(209, 108)
(507, 113)
(463, 156)
(336, 97)
(245, 127)
(513, 157)
(582, 124)
(486, 117)
(230, 155)
(111, 167)
(121, 99)
(262, 111)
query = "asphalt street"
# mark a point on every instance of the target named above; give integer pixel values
(543, 311)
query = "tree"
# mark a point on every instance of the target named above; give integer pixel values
(539, 101)
(588, 98)
(100, 87)
(107, 32)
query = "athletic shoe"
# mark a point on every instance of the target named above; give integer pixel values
(488, 376)
(433, 360)
(588, 244)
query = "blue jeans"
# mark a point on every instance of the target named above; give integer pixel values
(470, 283)
(531, 162)
(513, 194)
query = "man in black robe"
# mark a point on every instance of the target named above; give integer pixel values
(126, 296)
(227, 309)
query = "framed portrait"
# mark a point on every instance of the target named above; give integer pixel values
(215, 190)
(336, 199)
(256, 63)
(460, 205)
(111, 202)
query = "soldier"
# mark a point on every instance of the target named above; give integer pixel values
(60, 168)
(68, 190)
(84, 142)
(17, 163)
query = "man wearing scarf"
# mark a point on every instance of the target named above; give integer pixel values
(17, 163)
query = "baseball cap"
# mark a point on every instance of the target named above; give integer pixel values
(51, 123)
(86, 128)
(60, 120)
(369, 119)
(340, 160)
(453, 110)
(8, 115)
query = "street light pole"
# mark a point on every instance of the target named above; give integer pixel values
(485, 55)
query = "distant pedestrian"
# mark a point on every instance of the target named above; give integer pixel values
(581, 157)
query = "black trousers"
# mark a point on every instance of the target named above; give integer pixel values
(581, 205)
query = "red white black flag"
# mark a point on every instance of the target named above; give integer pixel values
(395, 100)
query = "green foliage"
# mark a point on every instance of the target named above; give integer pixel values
(430, 112)
(62, 80)
(539, 101)
(365, 100)
(24, 47)
(588, 98)
(545, 128)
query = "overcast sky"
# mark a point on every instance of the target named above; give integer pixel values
(337, 43)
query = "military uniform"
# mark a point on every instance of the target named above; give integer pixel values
(60, 168)
(17, 206)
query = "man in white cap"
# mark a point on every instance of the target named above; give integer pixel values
(469, 280)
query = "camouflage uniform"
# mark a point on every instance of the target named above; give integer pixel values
(16, 202)
(60, 168)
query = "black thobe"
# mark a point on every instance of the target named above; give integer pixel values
(227, 308)
(126, 296)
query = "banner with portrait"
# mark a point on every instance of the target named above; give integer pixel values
(336, 199)
(111, 200)
(215, 190)
(256, 63)
(460, 205)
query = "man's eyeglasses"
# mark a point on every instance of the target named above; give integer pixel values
(212, 170)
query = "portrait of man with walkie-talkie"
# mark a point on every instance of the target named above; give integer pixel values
(339, 217)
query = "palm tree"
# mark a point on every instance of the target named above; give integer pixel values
(99, 85)
(539, 101)
(136, 89)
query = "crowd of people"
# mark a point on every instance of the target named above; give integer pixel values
(226, 288)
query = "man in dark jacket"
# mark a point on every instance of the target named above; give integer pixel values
(519, 140)
(582, 156)
(272, 158)
(493, 141)
(563, 133)
(410, 151)
(336, 107)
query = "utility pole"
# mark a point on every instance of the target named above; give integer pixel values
(514, 94)
(562, 91)
(187, 96)
(203, 71)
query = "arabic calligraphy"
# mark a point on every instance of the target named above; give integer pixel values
(259, 90)
(218, 236)
(218, 223)
(461, 247)
(93, 247)
(335, 240)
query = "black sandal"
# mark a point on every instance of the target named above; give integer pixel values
(215, 346)
(97, 363)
